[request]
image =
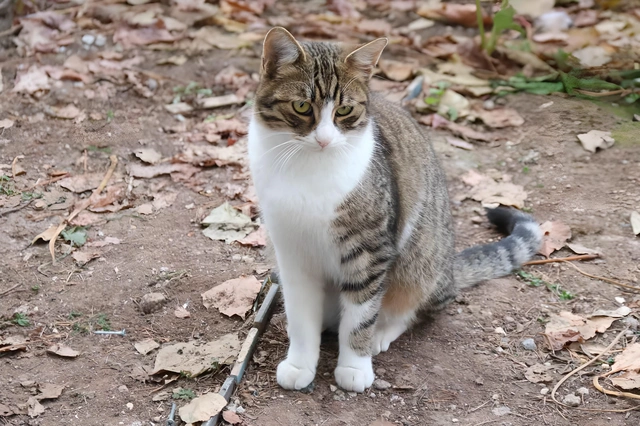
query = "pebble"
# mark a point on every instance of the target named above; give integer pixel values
(380, 371)
(529, 344)
(501, 411)
(152, 84)
(582, 391)
(123, 388)
(352, 394)
(572, 400)
(130, 405)
(544, 391)
(160, 396)
(88, 39)
(151, 302)
(372, 395)
(101, 40)
(381, 384)
(454, 420)
(333, 388)
(236, 257)
(240, 409)
(339, 396)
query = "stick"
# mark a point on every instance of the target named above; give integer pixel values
(596, 383)
(583, 366)
(49, 181)
(10, 30)
(607, 280)
(10, 290)
(563, 259)
(84, 205)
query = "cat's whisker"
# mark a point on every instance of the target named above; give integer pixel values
(291, 156)
(282, 157)
(291, 141)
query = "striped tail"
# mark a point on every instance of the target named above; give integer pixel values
(498, 259)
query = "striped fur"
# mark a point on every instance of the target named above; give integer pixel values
(357, 209)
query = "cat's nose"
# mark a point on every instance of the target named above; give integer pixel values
(322, 142)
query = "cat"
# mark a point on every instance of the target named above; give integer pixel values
(356, 207)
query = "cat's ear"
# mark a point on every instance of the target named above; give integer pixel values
(365, 57)
(280, 49)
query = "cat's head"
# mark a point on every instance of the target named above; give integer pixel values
(317, 91)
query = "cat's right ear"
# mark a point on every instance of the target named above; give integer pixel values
(280, 49)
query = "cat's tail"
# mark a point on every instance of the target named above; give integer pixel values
(493, 260)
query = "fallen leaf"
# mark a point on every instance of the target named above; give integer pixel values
(627, 380)
(539, 373)
(219, 101)
(145, 209)
(105, 242)
(635, 222)
(460, 14)
(580, 249)
(208, 155)
(173, 60)
(499, 117)
(68, 112)
(567, 327)
(16, 168)
(459, 143)
(145, 346)
(49, 391)
(344, 8)
(621, 312)
(555, 237)
(148, 155)
(46, 235)
(454, 105)
(148, 172)
(233, 297)
(532, 8)
(181, 312)
(377, 27)
(458, 129)
(178, 108)
(202, 408)
(231, 417)
(196, 358)
(33, 80)
(6, 124)
(396, 70)
(227, 224)
(592, 56)
(628, 360)
(63, 351)
(257, 238)
(13, 343)
(83, 257)
(34, 407)
(82, 183)
(491, 193)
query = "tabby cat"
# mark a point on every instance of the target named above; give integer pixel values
(356, 207)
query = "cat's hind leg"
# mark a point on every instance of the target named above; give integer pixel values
(397, 314)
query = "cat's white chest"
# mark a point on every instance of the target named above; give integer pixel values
(298, 200)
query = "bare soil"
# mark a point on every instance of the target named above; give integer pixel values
(451, 369)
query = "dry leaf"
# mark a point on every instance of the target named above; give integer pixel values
(145, 346)
(627, 380)
(178, 108)
(105, 242)
(231, 417)
(555, 237)
(539, 373)
(580, 249)
(68, 112)
(532, 8)
(460, 14)
(46, 235)
(459, 143)
(202, 408)
(458, 129)
(83, 257)
(257, 238)
(145, 209)
(196, 358)
(181, 312)
(635, 222)
(396, 70)
(499, 117)
(173, 60)
(596, 139)
(592, 56)
(628, 360)
(491, 193)
(208, 155)
(33, 80)
(233, 297)
(148, 155)
(49, 391)
(227, 224)
(567, 327)
(452, 103)
(148, 172)
(82, 183)
(63, 351)
(34, 407)
(621, 312)
(6, 124)
(219, 101)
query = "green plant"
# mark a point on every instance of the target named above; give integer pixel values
(6, 188)
(184, 394)
(35, 289)
(73, 314)
(502, 21)
(76, 236)
(20, 319)
(526, 169)
(102, 321)
(534, 281)
(110, 115)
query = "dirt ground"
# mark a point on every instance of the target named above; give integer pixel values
(452, 369)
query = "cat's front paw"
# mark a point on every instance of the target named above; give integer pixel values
(294, 377)
(354, 379)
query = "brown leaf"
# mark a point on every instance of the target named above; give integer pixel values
(82, 183)
(34, 407)
(344, 8)
(396, 70)
(145, 346)
(31, 81)
(539, 373)
(499, 117)
(231, 417)
(555, 237)
(567, 327)
(49, 391)
(458, 129)
(105, 242)
(627, 380)
(46, 235)
(181, 312)
(233, 297)
(459, 143)
(68, 112)
(377, 27)
(628, 360)
(147, 172)
(460, 14)
(491, 193)
(595, 139)
(208, 155)
(63, 351)
(196, 358)
(84, 257)
(257, 238)
(202, 408)
(130, 37)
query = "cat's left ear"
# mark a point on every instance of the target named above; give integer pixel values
(365, 57)
(280, 49)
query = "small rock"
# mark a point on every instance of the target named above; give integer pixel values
(509, 319)
(501, 411)
(352, 394)
(631, 322)
(88, 39)
(397, 398)
(479, 381)
(40, 204)
(454, 420)
(123, 388)
(500, 330)
(160, 396)
(130, 405)
(380, 371)
(101, 40)
(236, 257)
(333, 388)
(529, 344)
(372, 395)
(152, 84)
(240, 409)
(27, 383)
(381, 384)
(572, 400)
(339, 395)
(582, 391)
(151, 302)
(544, 391)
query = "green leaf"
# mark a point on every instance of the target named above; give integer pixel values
(76, 236)
(20, 319)
(502, 21)
(431, 100)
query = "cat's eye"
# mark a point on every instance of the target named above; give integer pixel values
(344, 110)
(302, 107)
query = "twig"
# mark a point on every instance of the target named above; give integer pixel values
(596, 383)
(49, 181)
(84, 205)
(621, 92)
(562, 259)
(10, 30)
(607, 280)
(10, 290)
(583, 366)
(6, 212)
